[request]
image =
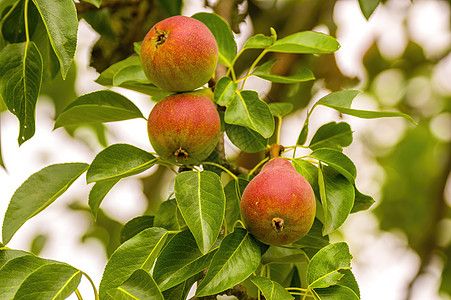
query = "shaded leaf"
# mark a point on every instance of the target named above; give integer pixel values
(224, 90)
(336, 292)
(280, 109)
(314, 238)
(368, 6)
(281, 255)
(361, 201)
(306, 42)
(233, 191)
(20, 81)
(135, 226)
(39, 191)
(181, 291)
(201, 201)
(248, 110)
(223, 35)
(246, 139)
(50, 281)
(180, 260)
(271, 289)
(98, 107)
(348, 280)
(338, 161)
(237, 258)
(341, 101)
(168, 216)
(119, 161)
(130, 74)
(264, 71)
(140, 285)
(61, 22)
(96, 3)
(139, 252)
(98, 193)
(332, 135)
(171, 7)
(323, 269)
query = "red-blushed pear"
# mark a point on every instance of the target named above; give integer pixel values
(278, 205)
(184, 128)
(179, 54)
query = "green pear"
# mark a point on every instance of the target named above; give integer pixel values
(278, 205)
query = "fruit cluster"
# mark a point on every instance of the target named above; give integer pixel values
(180, 54)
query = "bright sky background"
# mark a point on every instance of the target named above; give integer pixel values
(382, 263)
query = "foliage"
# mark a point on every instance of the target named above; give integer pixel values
(196, 235)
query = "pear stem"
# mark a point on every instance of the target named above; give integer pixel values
(275, 150)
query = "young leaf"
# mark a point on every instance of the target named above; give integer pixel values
(61, 22)
(336, 292)
(246, 139)
(180, 260)
(139, 252)
(248, 110)
(168, 216)
(15, 272)
(323, 269)
(272, 290)
(337, 160)
(140, 285)
(224, 91)
(368, 6)
(337, 198)
(341, 101)
(259, 41)
(264, 71)
(37, 192)
(98, 107)
(98, 193)
(237, 258)
(135, 226)
(280, 109)
(201, 201)
(50, 281)
(332, 135)
(306, 42)
(223, 35)
(20, 82)
(119, 161)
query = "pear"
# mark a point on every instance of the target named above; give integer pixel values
(179, 54)
(278, 205)
(184, 128)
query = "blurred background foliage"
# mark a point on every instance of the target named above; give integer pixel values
(415, 189)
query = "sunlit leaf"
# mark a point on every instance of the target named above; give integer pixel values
(337, 160)
(168, 216)
(260, 41)
(98, 193)
(37, 192)
(246, 139)
(140, 285)
(271, 289)
(135, 226)
(224, 90)
(281, 255)
(332, 135)
(280, 109)
(264, 71)
(336, 292)
(130, 74)
(306, 42)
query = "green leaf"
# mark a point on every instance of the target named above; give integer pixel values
(337, 160)
(237, 258)
(281, 255)
(233, 191)
(98, 107)
(264, 71)
(171, 7)
(135, 226)
(96, 3)
(20, 82)
(98, 193)
(314, 238)
(280, 109)
(119, 161)
(271, 289)
(61, 22)
(106, 77)
(261, 41)
(37, 192)
(2, 163)
(180, 260)
(139, 252)
(50, 281)
(336, 292)
(307, 170)
(367, 7)
(302, 138)
(7, 254)
(246, 109)
(130, 74)
(100, 21)
(322, 270)
(337, 198)
(348, 280)
(201, 201)
(246, 139)
(306, 42)
(223, 35)
(168, 216)
(341, 101)
(181, 291)
(361, 201)
(16, 271)
(224, 90)
(140, 285)
(13, 27)
(332, 135)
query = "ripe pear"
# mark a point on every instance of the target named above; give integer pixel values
(179, 54)
(184, 128)
(278, 205)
